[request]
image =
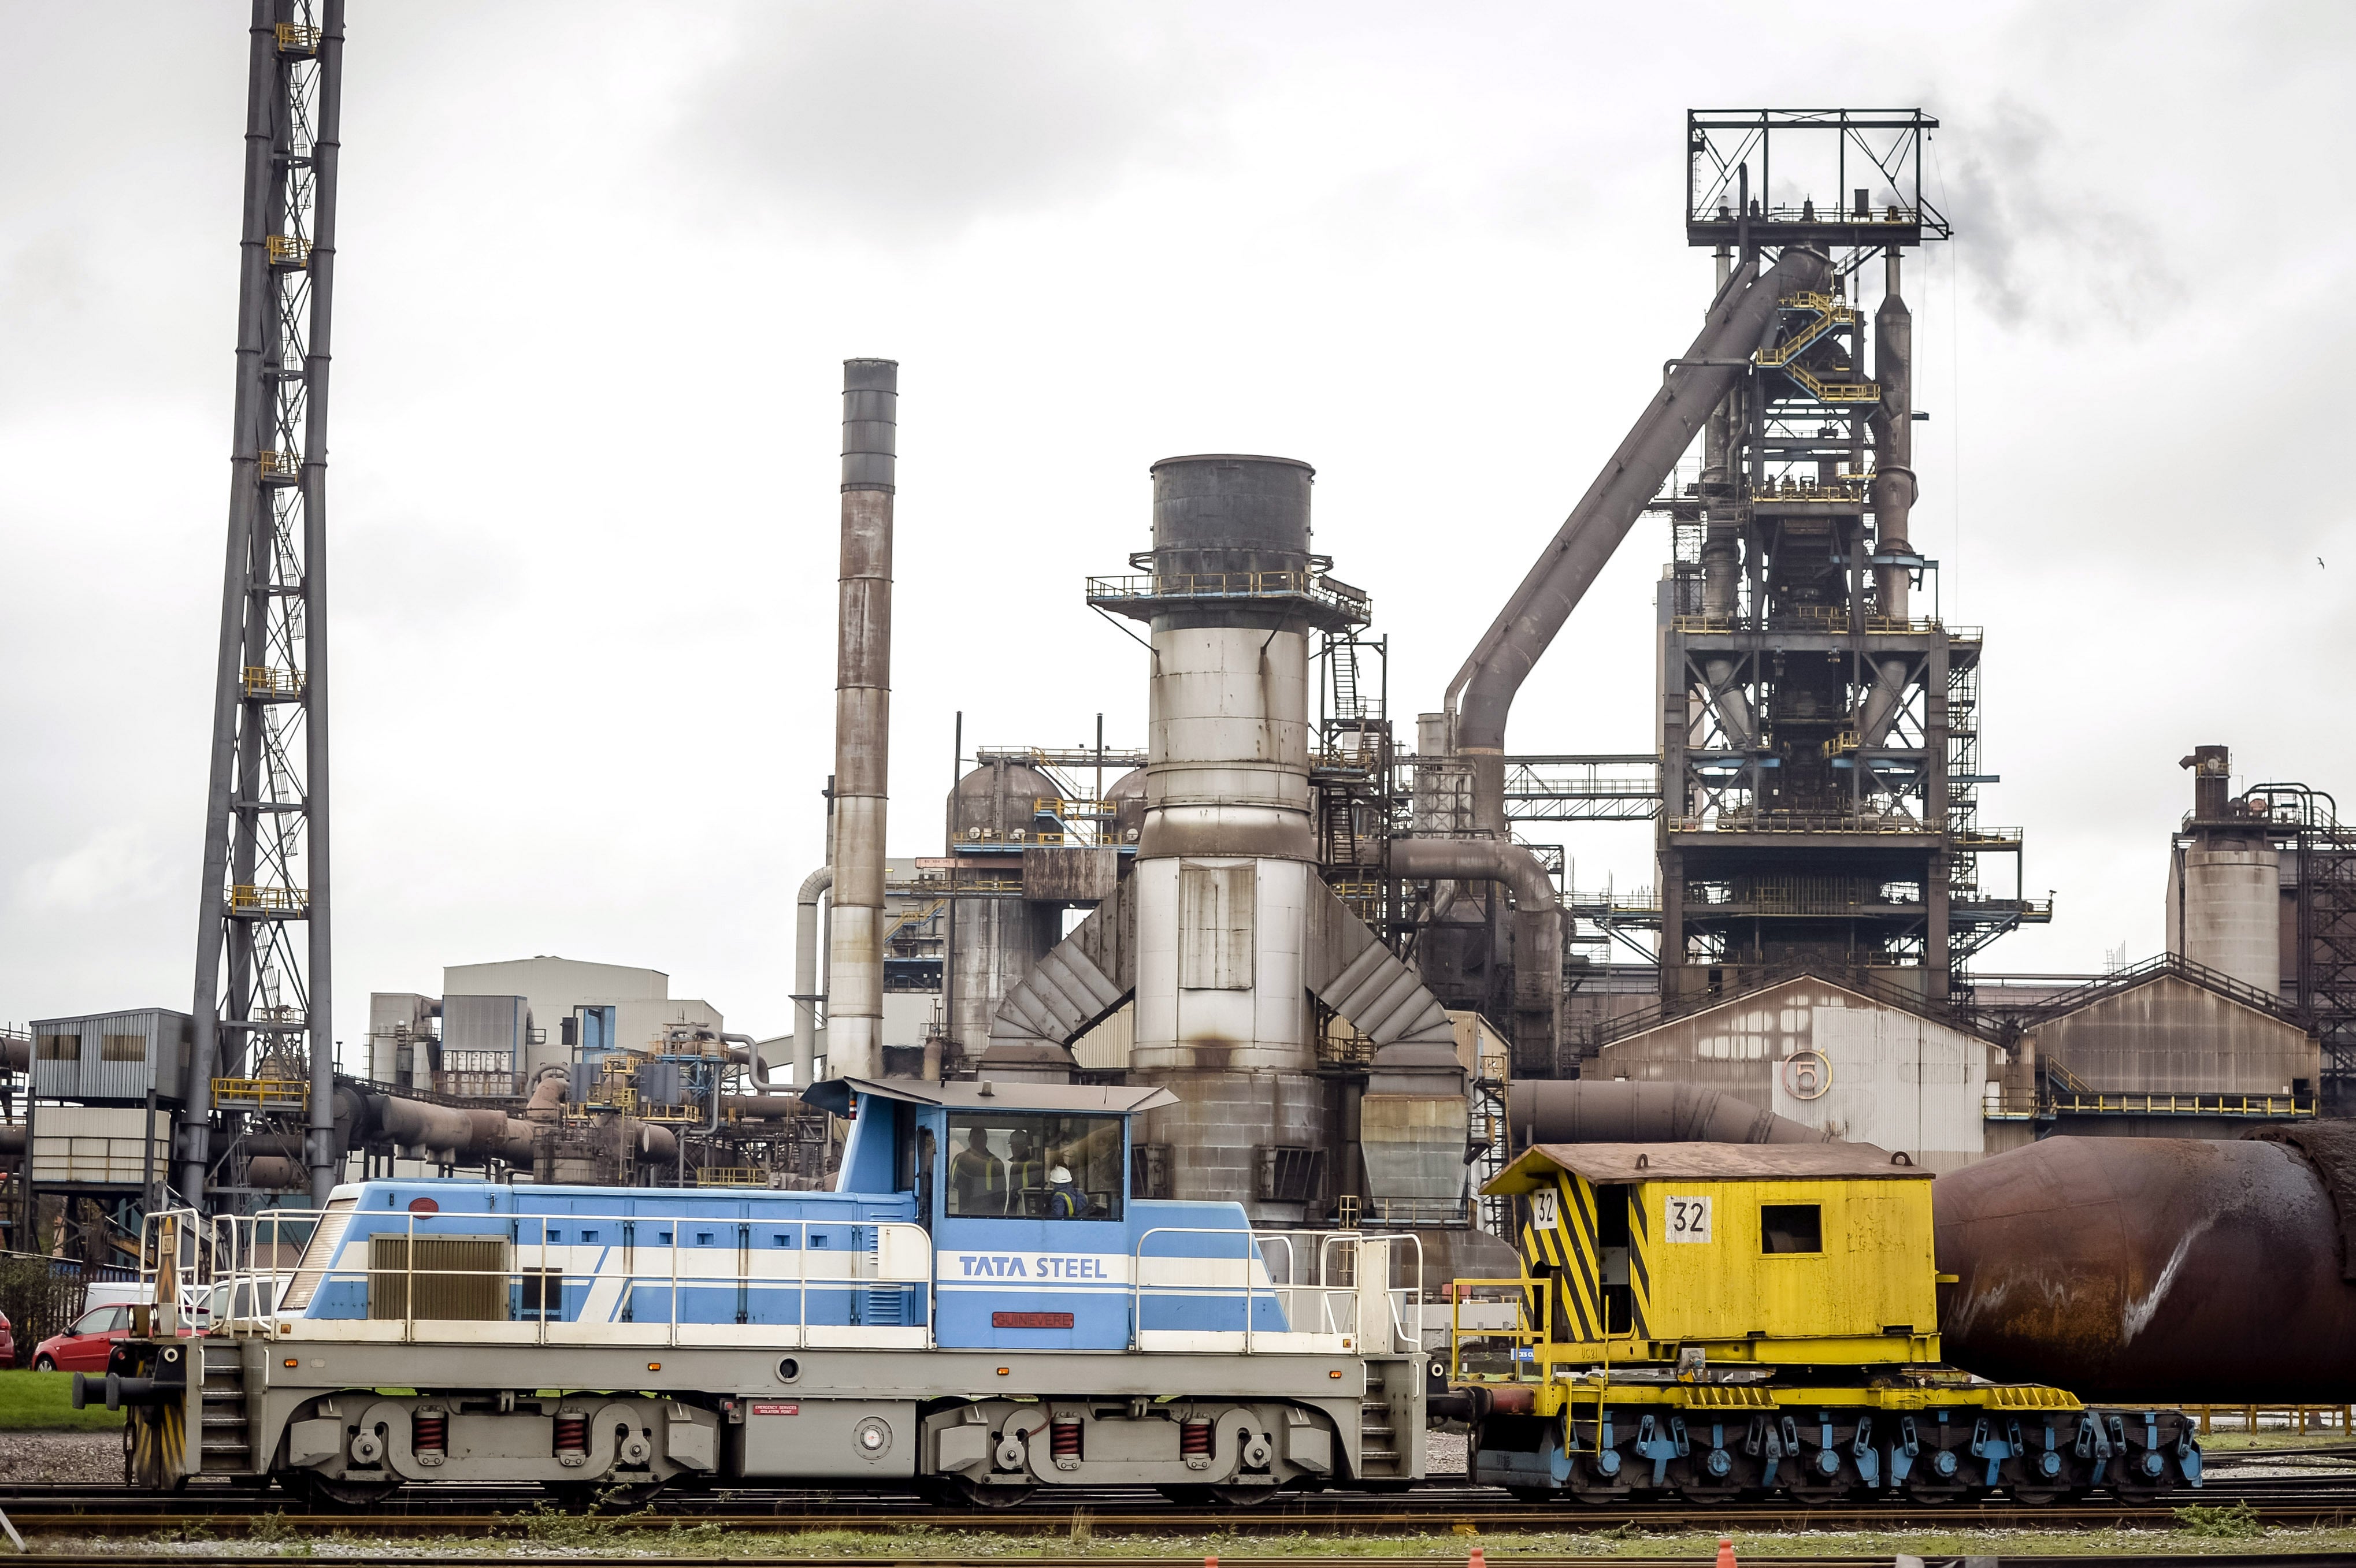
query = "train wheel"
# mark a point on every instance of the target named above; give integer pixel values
(1823, 1495)
(1709, 1494)
(1208, 1495)
(334, 1493)
(960, 1492)
(2038, 1497)
(588, 1496)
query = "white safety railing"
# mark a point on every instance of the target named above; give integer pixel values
(539, 1272)
(1319, 1299)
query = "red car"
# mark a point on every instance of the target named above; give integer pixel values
(7, 1342)
(84, 1346)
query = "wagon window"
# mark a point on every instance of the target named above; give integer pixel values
(1791, 1228)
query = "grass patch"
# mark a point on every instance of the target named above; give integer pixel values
(43, 1402)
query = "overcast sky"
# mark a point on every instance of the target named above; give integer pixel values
(600, 264)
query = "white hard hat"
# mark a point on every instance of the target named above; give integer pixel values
(1060, 1173)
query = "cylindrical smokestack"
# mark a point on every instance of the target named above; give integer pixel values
(862, 715)
(1226, 852)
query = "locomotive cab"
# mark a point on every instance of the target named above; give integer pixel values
(1037, 1242)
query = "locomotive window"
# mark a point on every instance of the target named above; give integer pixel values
(1791, 1228)
(1003, 1162)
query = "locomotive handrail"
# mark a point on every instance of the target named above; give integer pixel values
(1251, 1254)
(236, 1255)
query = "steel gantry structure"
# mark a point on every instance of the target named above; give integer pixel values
(263, 989)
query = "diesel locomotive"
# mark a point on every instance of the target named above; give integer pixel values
(982, 1308)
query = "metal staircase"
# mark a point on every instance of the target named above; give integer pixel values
(225, 1439)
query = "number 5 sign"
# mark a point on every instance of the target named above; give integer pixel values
(1544, 1213)
(1688, 1219)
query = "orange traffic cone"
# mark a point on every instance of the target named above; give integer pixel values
(1478, 1560)
(1211, 1562)
(1725, 1552)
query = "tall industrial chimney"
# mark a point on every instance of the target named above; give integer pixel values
(862, 718)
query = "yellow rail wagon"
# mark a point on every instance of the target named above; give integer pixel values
(1726, 1320)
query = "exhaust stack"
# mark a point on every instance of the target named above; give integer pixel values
(862, 718)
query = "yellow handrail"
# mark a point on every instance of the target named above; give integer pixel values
(251, 896)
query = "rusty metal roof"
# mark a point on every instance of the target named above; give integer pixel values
(1701, 1162)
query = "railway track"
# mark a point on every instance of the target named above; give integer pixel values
(493, 1511)
(232, 1559)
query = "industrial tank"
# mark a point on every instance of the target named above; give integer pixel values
(2156, 1269)
(2224, 893)
(993, 941)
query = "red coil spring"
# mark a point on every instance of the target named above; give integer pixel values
(572, 1434)
(1065, 1436)
(1194, 1437)
(429, 1433)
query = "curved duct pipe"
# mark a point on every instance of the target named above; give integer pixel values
(806, 996)
(1591, 1111)
(1537, 924)
(16, 1055)
(550, 1092)
(1740, 319)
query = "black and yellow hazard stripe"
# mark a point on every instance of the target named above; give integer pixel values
(1640, 1278)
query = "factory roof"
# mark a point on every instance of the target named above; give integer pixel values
(1537, 1166)
(982, 1093)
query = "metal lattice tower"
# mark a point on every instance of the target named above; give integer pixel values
(262, 983)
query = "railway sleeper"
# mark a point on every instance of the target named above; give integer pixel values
(1830, 1455)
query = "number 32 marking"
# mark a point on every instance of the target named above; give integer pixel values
(1688, 1219)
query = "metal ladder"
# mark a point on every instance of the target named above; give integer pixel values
(225, 1439)
(1377, 1439)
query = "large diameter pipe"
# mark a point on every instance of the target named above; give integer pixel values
(2149, 1270)
(1483, 692)
(862, 714)
(1537, 925)
(806, 996)
(1892, 424)
(1597, 1110)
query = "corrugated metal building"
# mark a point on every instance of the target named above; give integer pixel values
(111, 1056)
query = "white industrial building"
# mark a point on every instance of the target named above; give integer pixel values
(495, 1025)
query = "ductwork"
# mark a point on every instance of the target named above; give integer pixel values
(1536, 923)
(1591, 1111)
(862, 715)
(452, 1133)
(1697, 386)
(805, 995)
(1892, 424)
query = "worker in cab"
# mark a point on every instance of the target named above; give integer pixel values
(1026, 1174)
(1065, 1199)
(978, 1178)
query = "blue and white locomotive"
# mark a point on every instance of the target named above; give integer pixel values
(981, 1308)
